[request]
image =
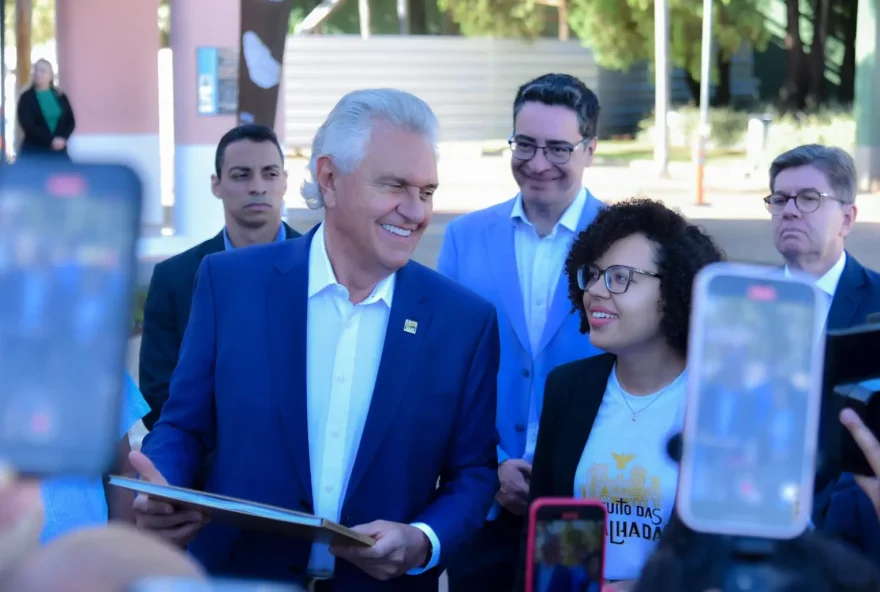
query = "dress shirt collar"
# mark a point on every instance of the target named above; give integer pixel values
(570, 219)
(281, 236)
(321, 274)
(828, 282)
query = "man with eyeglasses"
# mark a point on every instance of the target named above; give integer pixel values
(812, 208)
(513, 255)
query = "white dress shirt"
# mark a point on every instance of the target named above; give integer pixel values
(828, 282)
(345, 343)
(539, 264)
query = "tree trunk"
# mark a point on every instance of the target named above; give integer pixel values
(846, 92)
(24, 12)
(693, 87)
(562, 13)
(794, 91)
(816, 93)
(722, 91)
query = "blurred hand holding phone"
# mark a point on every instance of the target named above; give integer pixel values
(565, 545)
(755, 365)
(68, 234)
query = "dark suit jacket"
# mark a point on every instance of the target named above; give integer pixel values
(572, 396)
(166, 312)
(842, 509)
(37, 138)
(427, 453)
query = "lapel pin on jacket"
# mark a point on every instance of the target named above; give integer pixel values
(410, 326)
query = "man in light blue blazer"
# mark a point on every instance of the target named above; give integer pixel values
(513, 254)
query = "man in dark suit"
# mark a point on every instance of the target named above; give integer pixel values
(333, 375)
(249, 178)
(812, 206)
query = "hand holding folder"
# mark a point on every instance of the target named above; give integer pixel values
(174, 523)
(177, 514)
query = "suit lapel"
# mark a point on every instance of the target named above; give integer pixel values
(848, 295)
(288, 291)
(400, 354)
(561, 307)
(505, 276)
(213, 245)
(584, 401)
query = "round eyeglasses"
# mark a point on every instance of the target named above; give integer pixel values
(617, 277)
(555, 152)
(807, 201)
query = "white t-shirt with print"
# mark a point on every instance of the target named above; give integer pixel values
(626, 466)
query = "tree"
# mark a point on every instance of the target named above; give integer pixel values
(496, 18)
(621, 33)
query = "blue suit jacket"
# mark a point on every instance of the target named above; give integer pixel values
(850, 514)
(239, 390)
(478, 252)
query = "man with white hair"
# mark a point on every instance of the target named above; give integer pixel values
(331, 374)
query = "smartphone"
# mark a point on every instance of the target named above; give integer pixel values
(68, 234)
(213, 585)
(852, 379)
(566, 545)
(755, 368)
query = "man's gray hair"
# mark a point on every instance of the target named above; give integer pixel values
(836, 163)
(346, 132)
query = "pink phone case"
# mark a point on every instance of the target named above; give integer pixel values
(559, 503)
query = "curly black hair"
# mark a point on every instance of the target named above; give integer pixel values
(682, 250)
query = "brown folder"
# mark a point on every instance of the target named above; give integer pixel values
(248, 515)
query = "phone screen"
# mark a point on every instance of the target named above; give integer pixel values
(213, 585)
(753, 406)
(67, 243)
(568, 548)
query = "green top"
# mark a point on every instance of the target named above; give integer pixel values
(50, 106)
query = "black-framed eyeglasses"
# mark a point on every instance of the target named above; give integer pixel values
(554, 152)
(617, 277)
(807, 201)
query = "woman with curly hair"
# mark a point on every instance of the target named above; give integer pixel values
(606, 419)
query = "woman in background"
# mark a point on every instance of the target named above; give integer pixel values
(607, 419)
(45, 115)
(73, 503)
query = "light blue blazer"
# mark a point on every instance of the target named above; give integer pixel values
(478, 252)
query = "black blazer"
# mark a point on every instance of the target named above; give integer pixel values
(166, 314)
(37, 137)
(572, 396)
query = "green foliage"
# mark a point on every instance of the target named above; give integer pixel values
(832, 127)
(727, 127)
(42, 21)
(621, 32)
(496, 18)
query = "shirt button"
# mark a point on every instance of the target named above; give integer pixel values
(340, 379)
(525, 372)
(520, 427)
(328, 489)
(540, 303)
(335, 434)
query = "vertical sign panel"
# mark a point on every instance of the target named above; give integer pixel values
(264, 29)
(206, 64)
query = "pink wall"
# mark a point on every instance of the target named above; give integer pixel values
(108, 64)
(202, 23)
